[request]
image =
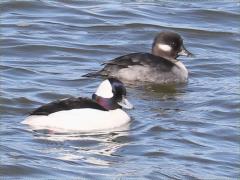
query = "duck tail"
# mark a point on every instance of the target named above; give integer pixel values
(93, 74)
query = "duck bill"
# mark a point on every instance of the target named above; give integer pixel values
(184, 52)
(125, 104)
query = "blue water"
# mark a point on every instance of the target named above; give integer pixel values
(186, 131)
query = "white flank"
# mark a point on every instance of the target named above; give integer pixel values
(164, 47)
(105, 89)
(79, 120)
(135, 73)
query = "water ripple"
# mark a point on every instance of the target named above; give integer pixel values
(186, 131)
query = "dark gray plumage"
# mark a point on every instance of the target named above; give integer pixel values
(160, 66)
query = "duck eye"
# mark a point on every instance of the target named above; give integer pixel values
(173, 44)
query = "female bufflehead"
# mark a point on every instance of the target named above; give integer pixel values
(160, 66)
(82, 114)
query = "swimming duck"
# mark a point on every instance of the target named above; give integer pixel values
(160, 66)
(103, 111)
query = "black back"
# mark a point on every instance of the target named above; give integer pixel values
(143, 59)
(67, 104)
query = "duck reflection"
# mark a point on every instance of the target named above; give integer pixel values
(99, 148)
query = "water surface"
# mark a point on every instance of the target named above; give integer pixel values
(186, 131)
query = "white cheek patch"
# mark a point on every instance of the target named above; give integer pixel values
(104, 90)
(164, 47)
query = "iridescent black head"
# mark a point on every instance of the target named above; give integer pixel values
(111, 94)
(169, 45)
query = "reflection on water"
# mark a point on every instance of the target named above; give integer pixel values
(94, 148)
(163, 91)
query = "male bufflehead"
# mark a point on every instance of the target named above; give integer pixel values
(101, 112)
(160, 66)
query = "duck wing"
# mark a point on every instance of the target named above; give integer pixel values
(67, 104)
(127, 60)
(142, 59)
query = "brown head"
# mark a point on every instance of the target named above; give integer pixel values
(169, 45)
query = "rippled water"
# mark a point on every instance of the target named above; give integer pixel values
(177, 132)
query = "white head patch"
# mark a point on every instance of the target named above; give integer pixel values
(164, 47)
(104, 90)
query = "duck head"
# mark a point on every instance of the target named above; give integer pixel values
(169, 45)
(111, 94)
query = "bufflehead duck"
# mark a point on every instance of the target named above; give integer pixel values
(101, 112)
(160, 66)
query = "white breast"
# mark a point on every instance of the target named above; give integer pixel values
(180, 71)
(79, 120)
